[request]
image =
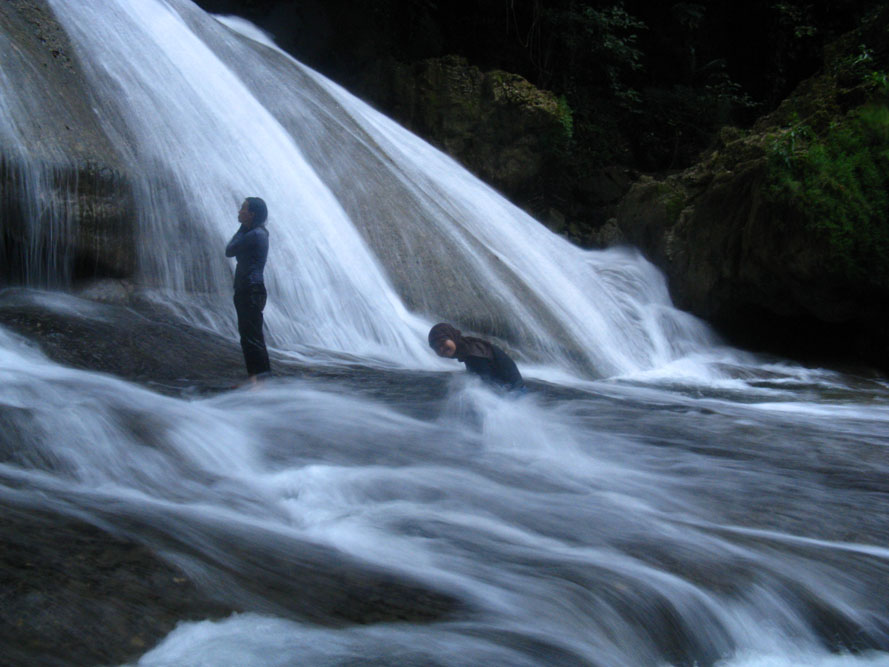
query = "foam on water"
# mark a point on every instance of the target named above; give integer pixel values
(699, 505)
(560, 522)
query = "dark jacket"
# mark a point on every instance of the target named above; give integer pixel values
(482, 358)
(251, 248)
(496, 369)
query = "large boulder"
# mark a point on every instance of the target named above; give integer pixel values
(780, 235)
(500, 126)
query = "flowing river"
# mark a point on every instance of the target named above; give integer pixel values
(656, 498)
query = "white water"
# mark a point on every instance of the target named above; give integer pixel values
(696, 506)
(207, 126)
(598, 528)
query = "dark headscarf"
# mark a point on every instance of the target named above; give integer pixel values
(467, 346)
(258, 208)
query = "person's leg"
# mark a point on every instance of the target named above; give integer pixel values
(242, 309)
(249, 307)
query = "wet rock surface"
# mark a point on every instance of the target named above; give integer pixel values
(137, 342)
(78, 593)
(75, 594)
(57, 163)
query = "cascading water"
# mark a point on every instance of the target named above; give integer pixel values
(206, 126)
(681, 512)
(45, 216)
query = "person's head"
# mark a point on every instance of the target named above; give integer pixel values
(443, 338)
(253, 212)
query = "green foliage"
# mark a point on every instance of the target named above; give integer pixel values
(857, 65)
(880, 81)
(558, 141)
(566, 117)
(864, 57)
(787, 146)
(599, 44)
(839, 184)
(674, 200)
(675, 204)
(797, 18)
(676, 123)
(863, 66)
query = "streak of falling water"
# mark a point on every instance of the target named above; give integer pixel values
(374, 233)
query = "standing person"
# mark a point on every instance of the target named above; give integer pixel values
(482, 358)
(250, 247)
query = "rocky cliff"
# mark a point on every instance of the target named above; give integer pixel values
(779, 236)
(496, 123)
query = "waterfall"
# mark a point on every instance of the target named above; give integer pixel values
(374, 234)
(674, 511)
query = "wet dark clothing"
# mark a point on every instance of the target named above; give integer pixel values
(250, 247)
(496, 369)
(249, 304)
(482, 358)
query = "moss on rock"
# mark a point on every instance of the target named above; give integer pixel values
(496, 123)
(780, 236)
(837, 183)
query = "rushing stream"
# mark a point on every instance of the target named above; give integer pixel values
(656, 498)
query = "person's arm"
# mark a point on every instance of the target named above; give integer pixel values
(506, 370)
(237, 242)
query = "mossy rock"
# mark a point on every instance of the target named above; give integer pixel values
(496, 123)
(780, 236)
